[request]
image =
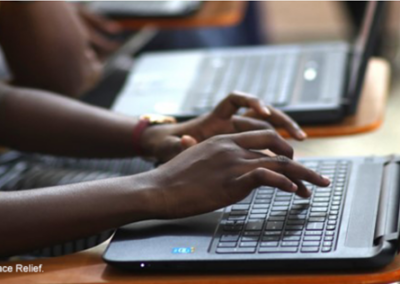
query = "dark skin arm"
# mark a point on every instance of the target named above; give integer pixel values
(38, 121)
(176, 189)
(47, 47)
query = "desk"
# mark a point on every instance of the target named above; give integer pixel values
(212, 13)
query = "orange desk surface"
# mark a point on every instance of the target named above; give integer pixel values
(211, 14)
(371, 108)
(87, 267)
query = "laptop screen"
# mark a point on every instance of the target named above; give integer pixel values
(362, 51)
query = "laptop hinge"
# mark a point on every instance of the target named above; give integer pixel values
(387, 225)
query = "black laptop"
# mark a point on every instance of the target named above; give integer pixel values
(352, 224)
(313, 83)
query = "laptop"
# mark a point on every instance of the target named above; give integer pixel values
(134, 9)
(313, 83)
(352, 224)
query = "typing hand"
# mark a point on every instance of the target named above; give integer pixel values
(223, 170)
(97, 27)
(166, 141)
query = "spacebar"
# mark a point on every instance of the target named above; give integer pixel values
(277, 250)
(236, 250)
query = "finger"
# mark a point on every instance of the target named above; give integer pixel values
(188, 141)
(302, 191)
(99, 22)
(280, 119)
(244, 124)
(170, 147)
(261, 176)
(289, 168)
(101, 43)
(236, 100)
(263, 139)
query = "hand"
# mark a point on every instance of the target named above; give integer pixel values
(97, 27)
(166, 141)
(225, 169)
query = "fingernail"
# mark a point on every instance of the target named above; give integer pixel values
(302, 134)
(267, 111)
(294, 187)
(326, 179)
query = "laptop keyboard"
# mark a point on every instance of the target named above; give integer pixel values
(269, 77)
(273, 221)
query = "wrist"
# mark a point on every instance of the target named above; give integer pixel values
(147, 195)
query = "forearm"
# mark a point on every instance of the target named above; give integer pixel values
(37, 218)
(37, 121)
(46, 47)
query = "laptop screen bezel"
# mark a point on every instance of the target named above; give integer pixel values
(362, 51)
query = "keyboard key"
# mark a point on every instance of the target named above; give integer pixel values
(238, 218)
(301, 202)
(240, 207)
(278, 213)
(291, 238)
(294, 227)
(331, 227)
(227, 244)
(315, 226)
(260, 206)
(283, 198)
(254, 225)
(295, 222)
(278, 249)
(229, 238)
(280, 208)
(328, 238)
(321, 199)
(248, 244)
(318, 214)
(269, 244)
(297, 217)
(262, 201)
(290, 244)
(252, 233)
(320, 204)
(281, 203)
(332, 222)
(272, 233)
(312, 238)
(271, 238)
(317, 219)
(310, 244)
(233, 228)
(277, 218)
(329, 233)
(309, 249)
(327, 244)
(319, 209)
(293, 233)
(326, 249)
(257, 216)
(237, 250)
(250, 238)
(274, 226)
(313, 233)
(259, 211)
